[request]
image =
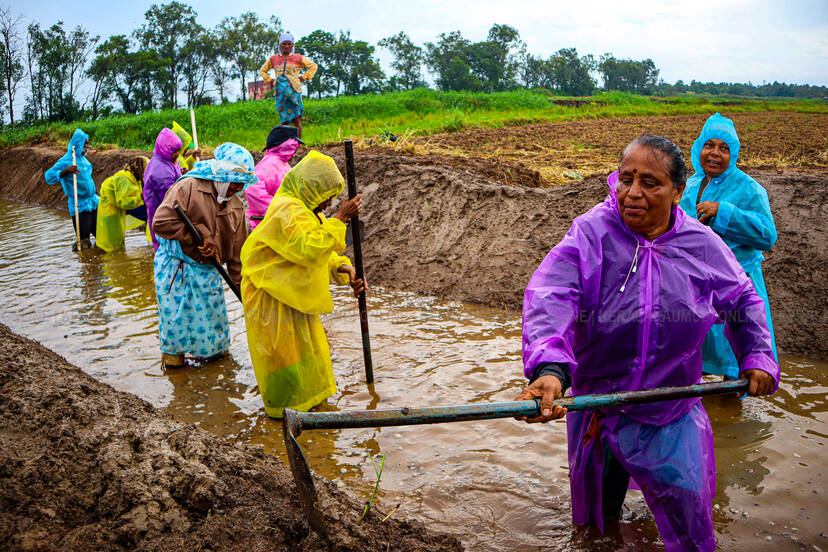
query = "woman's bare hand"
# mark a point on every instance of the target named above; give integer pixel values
(547, 389)
(349, 208)
(358, 284)
(706, 211)
(209, 249)
(761, 383)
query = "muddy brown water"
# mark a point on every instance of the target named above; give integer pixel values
(497, 485)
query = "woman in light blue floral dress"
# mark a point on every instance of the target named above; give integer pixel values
(192, 314)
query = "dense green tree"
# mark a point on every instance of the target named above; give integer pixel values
(199, 56)
(246, 42)
(168, 28)
(408, 61)
(319, 46)
(570, 74)
(447, 60)
(628, 75)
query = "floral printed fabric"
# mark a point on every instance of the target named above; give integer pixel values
(192, 315)
(288, 100)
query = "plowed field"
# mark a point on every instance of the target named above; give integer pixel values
(563, 152)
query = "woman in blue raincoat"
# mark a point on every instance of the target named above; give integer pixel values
(62, 172)
(736, 207)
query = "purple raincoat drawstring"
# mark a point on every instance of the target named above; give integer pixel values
(633, 267)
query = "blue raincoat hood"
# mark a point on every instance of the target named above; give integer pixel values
(79, 137)
(719, 128)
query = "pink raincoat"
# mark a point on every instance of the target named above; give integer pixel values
(625, 314)
(270, 171)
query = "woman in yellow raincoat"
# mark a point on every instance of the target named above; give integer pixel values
(287, 264)
(186, 163)
(120, 193)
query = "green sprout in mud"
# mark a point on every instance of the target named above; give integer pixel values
(377, 471)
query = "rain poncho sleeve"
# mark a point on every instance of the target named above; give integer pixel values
(87, 195)
(745, 223)
(160, 174)
(119, 193)
(626, 314)
(287, 264)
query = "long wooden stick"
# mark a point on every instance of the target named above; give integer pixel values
(195, 134)
(77, 210)
(355, 233)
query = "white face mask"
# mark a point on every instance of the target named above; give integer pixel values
(221, 191)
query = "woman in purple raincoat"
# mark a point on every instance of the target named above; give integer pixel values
(161, 173)
(623, 303)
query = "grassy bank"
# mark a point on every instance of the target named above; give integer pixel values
(418, 111)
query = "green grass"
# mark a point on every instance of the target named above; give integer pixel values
(424, 111)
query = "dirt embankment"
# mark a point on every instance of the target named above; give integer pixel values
(475, 229)
(22, 172)
(85, 467)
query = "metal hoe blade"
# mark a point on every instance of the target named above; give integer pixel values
(292, 428)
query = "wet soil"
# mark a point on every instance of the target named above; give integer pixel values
(85, 467)
(770, 140)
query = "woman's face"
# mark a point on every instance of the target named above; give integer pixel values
(286, 47)
(325, 204)
(714, 157)
(645, 192)
(234, 188)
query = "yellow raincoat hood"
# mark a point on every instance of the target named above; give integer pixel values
(313, 180)
(293, 254)
(184, 162)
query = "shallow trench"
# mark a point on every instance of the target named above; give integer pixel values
(497, 485)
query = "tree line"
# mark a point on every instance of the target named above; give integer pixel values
(171, 60)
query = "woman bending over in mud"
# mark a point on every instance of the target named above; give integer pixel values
(623, 303)
(736, 207)
(287, 265)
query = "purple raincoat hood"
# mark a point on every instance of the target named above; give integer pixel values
(166, 144)
(161, 173)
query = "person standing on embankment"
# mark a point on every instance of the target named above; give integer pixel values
(121, 194)
(624, 303)
(287, 265)
(62, 172)
(736, 207)
(282, 142)
(162, 172)
(192, 315)
(287, 92)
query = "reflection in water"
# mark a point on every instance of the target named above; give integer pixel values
(498, 484)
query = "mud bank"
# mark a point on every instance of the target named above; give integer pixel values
(475, 230)
(85, 467)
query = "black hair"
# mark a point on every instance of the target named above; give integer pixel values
(677, 169)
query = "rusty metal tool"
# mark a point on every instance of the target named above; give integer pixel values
(293, 422)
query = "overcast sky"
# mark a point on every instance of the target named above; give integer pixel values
(705, 40)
